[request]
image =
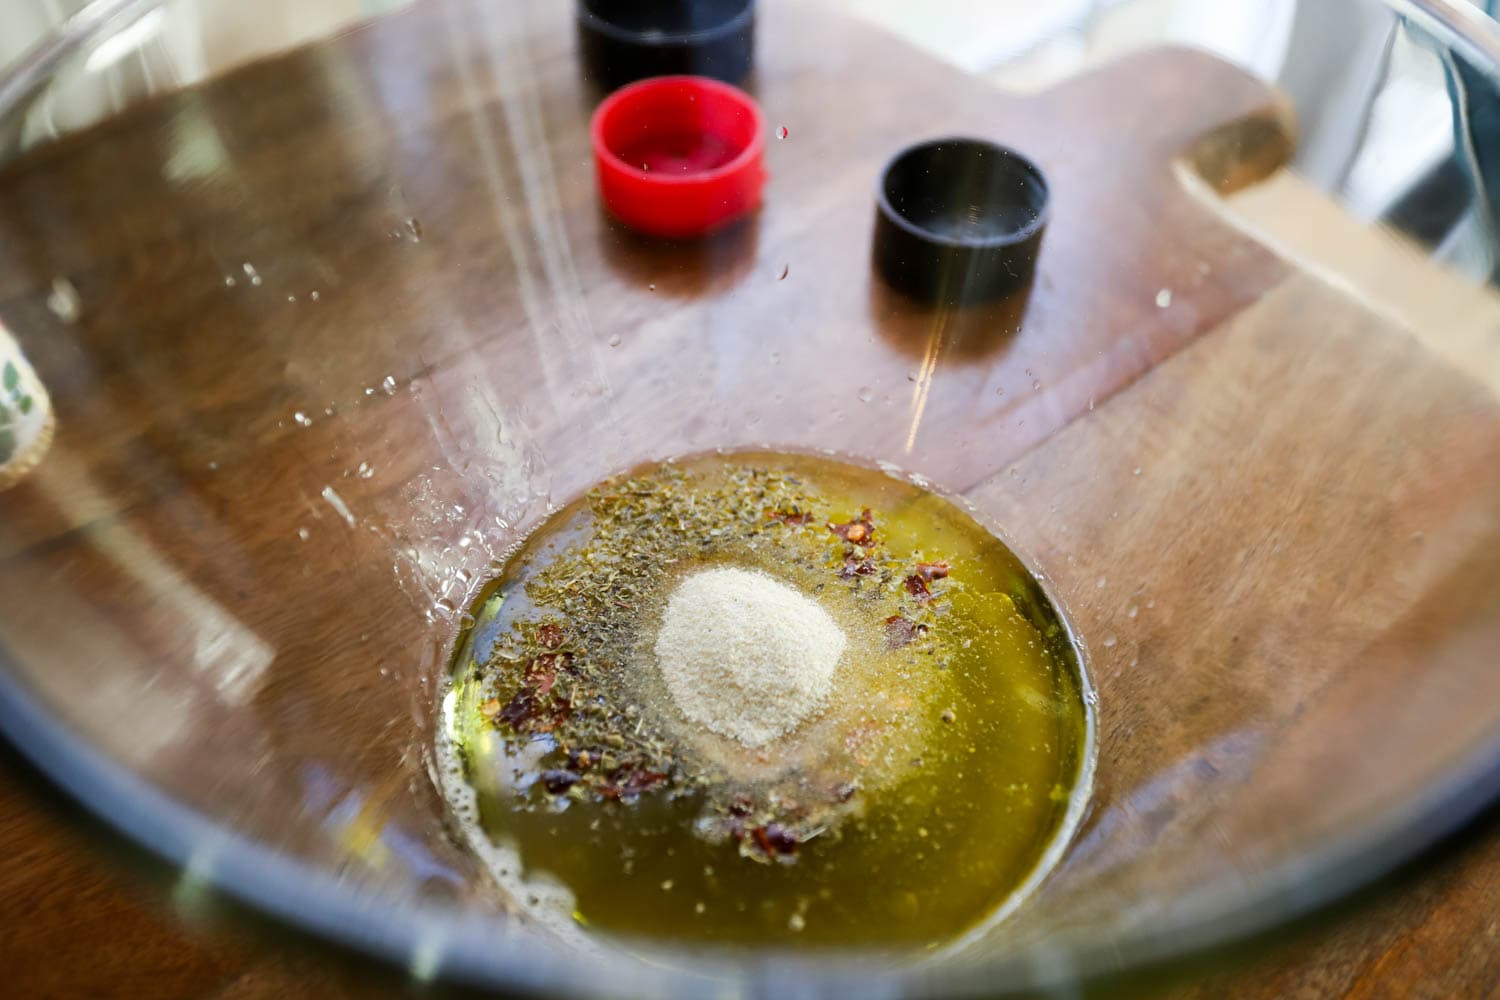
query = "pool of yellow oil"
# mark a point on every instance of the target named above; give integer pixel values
(942, 843)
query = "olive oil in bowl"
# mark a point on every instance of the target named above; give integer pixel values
(937, 778)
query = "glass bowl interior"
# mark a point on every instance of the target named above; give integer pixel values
(325, 336)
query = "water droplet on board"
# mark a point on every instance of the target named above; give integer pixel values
(1109, 642)
(304, 534)
(1164, 298)
(64, 301)
(783, 132)
(866, 394)
(365, 470)
(314, 295)
(614, 340)
(388, 385)
(1091, 404)
(250, 272)
(331, 496)
(229, 281)
(1100, 583)
(1036, 384)
(1137, 471)
(302, 419)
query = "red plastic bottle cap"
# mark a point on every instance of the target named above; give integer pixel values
(679, 155)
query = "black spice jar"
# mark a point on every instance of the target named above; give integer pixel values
(959, 221)
(621, 41)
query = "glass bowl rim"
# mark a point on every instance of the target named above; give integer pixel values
(433, 942)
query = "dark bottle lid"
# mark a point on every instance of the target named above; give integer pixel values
(959, 221)
(625, 40)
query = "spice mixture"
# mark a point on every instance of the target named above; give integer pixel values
(764, 698)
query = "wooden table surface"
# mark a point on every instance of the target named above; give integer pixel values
(87, 916)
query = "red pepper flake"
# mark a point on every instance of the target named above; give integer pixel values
(628, 786)
(550, 635)
(582, 760)
(519, 710)
(860, 531)
(540, 677)
(526, 712)
(917, 587)
(902, 631)
(559, 781)
(794, 517)
(932, 571)
(775, 840)
(555, 716)
(855, 566)
(644, 781)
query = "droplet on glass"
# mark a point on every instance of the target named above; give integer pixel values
(614, 340)
(782, 132)
(229, 281)
(866, 394)
(302, 419)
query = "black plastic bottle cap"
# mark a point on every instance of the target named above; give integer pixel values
(959, 221)
(626, 40)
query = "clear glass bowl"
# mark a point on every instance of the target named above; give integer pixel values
(329, 318)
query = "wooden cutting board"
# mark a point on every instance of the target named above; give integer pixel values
(1266, 494)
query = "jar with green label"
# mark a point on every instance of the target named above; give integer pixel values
(25, 414)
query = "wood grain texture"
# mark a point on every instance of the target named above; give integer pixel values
(1197, 437)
